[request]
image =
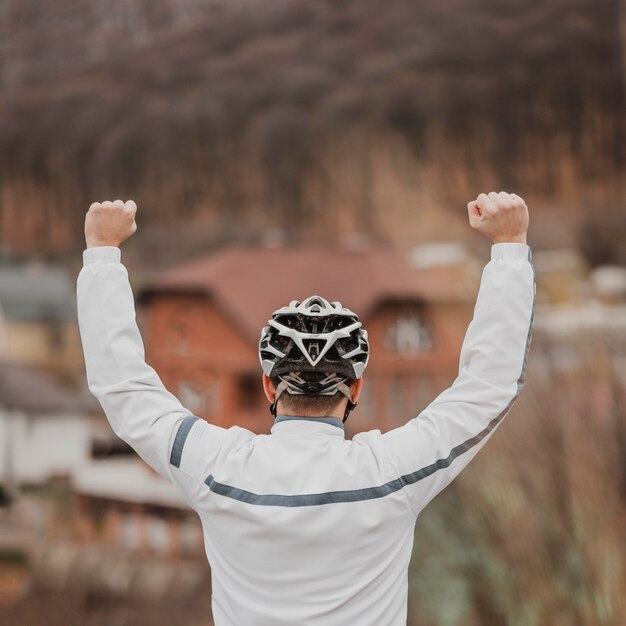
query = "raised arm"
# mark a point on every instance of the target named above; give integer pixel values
(140, 409)
(431, 449)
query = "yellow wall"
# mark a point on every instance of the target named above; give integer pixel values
(40, 345)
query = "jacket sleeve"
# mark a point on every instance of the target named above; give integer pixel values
(141, 411)
(430, 450)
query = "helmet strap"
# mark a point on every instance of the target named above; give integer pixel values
(341, 388)
(351, 406)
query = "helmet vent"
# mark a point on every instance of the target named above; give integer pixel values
(313, 348)
(314, 336)
(311, 386)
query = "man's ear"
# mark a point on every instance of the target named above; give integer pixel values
(356, 388)
(268, 388)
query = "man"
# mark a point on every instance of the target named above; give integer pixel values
(302, 526)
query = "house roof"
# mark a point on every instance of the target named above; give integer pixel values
(36, 292)
(24, 388)
(126, 480)
(248, 284)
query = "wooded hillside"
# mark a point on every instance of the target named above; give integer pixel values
(223, 119)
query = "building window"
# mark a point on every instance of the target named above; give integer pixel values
(190, 538)
(396, 399)
(249, 390)
(158, 535)
(202, 400)
(408, 334)
(130, 531)
(190, 396)
(421, 393)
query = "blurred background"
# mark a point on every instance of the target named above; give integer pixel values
(279, 149)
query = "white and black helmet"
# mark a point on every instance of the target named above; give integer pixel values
(314, 336)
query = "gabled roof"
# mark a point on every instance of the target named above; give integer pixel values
(248, 284)
(126, 480)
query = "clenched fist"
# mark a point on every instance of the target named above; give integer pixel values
(110, 223)
(503, 217)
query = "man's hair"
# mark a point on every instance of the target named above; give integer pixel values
(315, 404)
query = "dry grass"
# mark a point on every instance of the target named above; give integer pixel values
(534, 532)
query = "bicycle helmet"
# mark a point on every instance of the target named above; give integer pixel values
(314, 336)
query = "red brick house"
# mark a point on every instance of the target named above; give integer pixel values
(204, 319)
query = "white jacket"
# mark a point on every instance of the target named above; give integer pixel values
(302, 526)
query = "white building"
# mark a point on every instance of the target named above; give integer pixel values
(45, 431)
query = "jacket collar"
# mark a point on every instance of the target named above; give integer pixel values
(308, 425)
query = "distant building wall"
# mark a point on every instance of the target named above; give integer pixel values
(405, 373)
(204, 359)
(34, 449)
(54, 346)
(139, 528)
